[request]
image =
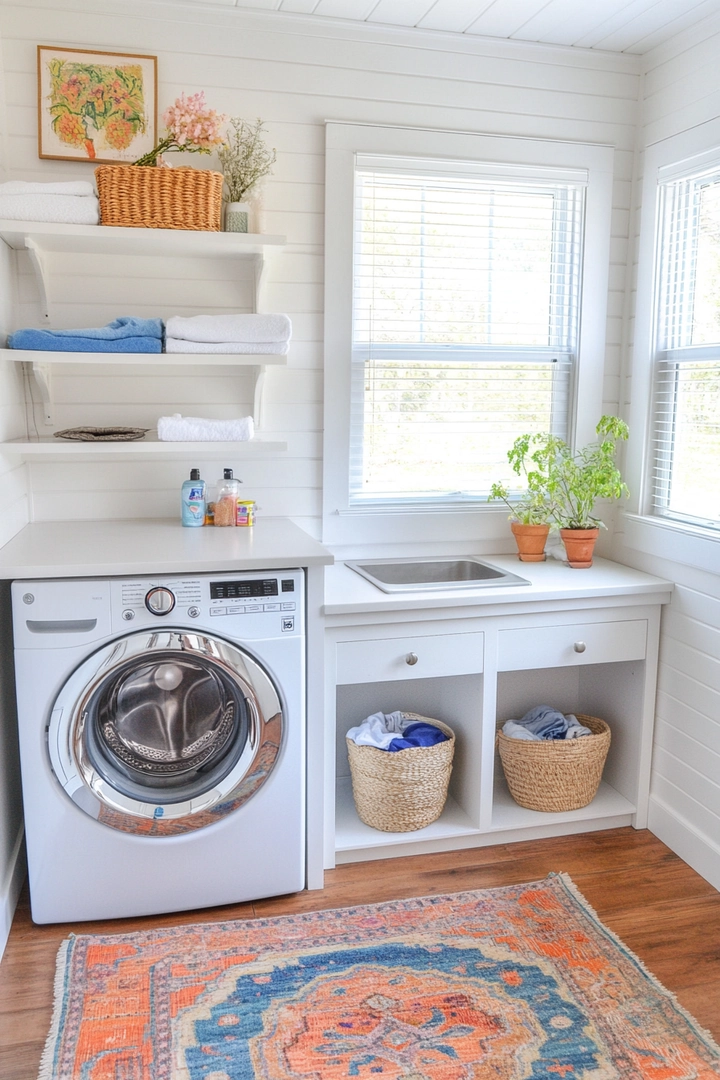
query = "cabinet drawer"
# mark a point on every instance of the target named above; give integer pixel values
(565, 646)
(393, 658)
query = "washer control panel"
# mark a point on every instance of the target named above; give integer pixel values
(235, 604)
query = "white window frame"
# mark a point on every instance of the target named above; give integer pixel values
(361, 526)
(653, 534)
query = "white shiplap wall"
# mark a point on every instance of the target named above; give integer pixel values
(294, 74)
(681, 92)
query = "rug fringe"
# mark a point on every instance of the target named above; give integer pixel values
(47, 1059)
(702, 1033)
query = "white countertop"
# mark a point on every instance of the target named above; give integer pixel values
(60, 549)
(348, 593)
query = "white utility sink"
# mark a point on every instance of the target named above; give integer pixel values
(410, 575)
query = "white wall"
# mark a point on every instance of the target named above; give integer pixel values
(274, 67)
(681, 92)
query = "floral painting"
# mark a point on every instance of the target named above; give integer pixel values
(95, 106)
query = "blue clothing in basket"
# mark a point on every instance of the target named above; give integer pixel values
(418, 734)
(543, 722)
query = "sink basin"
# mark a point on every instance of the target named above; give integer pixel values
(409, 575)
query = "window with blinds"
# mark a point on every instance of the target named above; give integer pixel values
(466, 293)
(685, 477)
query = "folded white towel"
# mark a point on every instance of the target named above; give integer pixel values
(179, 428)
(269, 348)
(230, 328)
(69, 209)
(66, 187)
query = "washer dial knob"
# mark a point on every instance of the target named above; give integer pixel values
(160, 601)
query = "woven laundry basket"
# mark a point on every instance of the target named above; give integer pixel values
(556, 774)
(145, 197)
(403, 790)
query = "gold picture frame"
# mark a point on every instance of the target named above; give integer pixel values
(95, 106)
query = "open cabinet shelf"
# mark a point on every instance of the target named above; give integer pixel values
(352, 836)
(41, 241)
(505, 657)
(608, 804)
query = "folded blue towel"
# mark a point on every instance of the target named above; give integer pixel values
(418, 734)
(88, 345)
(126, 334)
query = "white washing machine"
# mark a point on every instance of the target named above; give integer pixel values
(162, 741)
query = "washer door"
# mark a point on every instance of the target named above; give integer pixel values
(163, 733)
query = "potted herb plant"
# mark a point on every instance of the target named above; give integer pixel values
(577, 479)
(531, 514)
(245, 160)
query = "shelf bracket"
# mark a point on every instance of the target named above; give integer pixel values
(37, 261)
(262, 262)
(43, 381)
(259, 399)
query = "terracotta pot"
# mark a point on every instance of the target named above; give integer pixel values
(530, 540)
(579, 545)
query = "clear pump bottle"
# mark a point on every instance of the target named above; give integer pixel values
(228, 492)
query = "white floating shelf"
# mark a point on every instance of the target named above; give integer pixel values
(150, 446)
(40, 357)
(109, 240)
(41, 239)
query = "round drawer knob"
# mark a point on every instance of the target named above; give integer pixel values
(411, 659)
(579, 646)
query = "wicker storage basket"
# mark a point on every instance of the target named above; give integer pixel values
(556, 774)
(404, 790)
(144, 197)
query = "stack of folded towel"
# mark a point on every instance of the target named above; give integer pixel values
(268, 334)
(124, 335)
(74, 202)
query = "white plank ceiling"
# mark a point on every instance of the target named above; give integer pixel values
(632, 26)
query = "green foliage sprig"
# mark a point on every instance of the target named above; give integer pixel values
(563, 485)
(535, 507)
(576, 480)
(244, 158)
(531, 509)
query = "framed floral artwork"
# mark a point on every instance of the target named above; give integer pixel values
(95, 106)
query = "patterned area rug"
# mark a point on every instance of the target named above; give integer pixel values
(499, 984)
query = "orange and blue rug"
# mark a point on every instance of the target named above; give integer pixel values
(516, 983)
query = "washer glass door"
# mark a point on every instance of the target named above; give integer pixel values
(161, 733)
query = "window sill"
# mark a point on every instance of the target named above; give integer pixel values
(674, 541)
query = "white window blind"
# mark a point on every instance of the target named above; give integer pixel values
(685, 478)
(466, 296)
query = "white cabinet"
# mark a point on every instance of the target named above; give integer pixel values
(473, 667)
(43, 240)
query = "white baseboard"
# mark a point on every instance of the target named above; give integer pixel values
(696, 849)
(17, 870)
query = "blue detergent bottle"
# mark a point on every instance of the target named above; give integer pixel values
(193, 500)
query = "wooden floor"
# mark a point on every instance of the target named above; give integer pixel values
(662, 910)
